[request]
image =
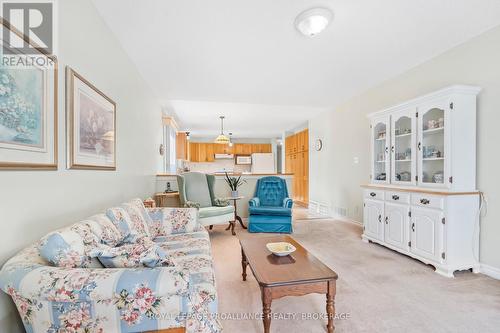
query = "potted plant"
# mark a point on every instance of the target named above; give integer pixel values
(234, 183)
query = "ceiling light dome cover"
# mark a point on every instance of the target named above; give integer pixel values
(313, 21)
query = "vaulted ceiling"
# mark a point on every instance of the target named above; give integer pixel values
(249, 53)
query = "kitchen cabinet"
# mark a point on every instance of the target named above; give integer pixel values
(205, 151)
(201, 152)
(222, 149)
(243, 149)
(297, 162)
(181, 146)
(193, 152)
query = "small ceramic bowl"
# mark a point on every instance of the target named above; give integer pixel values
(281, 249)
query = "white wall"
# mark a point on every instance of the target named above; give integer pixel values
(34, 203)
(335, 179)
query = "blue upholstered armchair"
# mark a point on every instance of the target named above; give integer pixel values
(271, 209)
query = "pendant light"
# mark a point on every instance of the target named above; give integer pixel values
(222, 138)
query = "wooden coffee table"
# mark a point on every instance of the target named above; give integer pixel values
(295, 275)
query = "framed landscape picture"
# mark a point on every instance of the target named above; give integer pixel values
(28, 108)
(91, 125)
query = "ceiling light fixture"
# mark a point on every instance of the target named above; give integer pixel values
(313, 21)
(230, 139)
(222, 138)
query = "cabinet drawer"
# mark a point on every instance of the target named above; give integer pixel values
(427, 200)
(397, 197)
(374, 194)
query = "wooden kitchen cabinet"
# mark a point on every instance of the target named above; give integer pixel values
(181, 146)
(193, 152)
(297, 162)
(205, 151)
(201, 152)
(303, 141)
(209, 152)
(266, 148)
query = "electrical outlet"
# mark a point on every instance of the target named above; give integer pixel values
(356, 160)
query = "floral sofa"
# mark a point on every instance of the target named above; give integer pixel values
(59, 284)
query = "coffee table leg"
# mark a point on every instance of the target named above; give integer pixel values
(330, 305)
(266, 308)
(244, 264)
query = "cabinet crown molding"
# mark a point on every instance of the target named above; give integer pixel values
(455, 89)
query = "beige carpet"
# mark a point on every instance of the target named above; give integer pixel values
(378, 290)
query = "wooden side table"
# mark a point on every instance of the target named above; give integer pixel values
(236, 216)
(167, 199)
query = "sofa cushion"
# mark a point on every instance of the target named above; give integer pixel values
(130, 228)
(104, 229)
(167, 221)
(215, 211)
(139, 205)
(266, 210)
(143, 253)
(64, 248)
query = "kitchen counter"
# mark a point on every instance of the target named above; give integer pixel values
(231, 174)
(221, 189)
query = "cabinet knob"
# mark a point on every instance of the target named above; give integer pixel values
(392, 149)
(386, 220)
(395, 197)
(380, 218)
(373, 194)
(413, 227)
(420, 146)
(424, 201)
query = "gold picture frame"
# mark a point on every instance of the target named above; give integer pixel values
(91, 144)
(46, 158)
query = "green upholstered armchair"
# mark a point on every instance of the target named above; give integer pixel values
(197, 190)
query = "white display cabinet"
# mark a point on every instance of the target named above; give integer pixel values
(422, 200)
(381, 141)
(403, 152)
(427, 142)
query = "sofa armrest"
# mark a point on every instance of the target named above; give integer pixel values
(287, 203)
(254, 202)
(169, 221)
(57, 284)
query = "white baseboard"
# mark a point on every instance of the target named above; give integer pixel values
(490, 271)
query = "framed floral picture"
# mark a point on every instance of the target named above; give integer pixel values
(91, 125)
(28, 107)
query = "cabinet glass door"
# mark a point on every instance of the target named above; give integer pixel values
(380, 150)
(433, 145)
(403, 142)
